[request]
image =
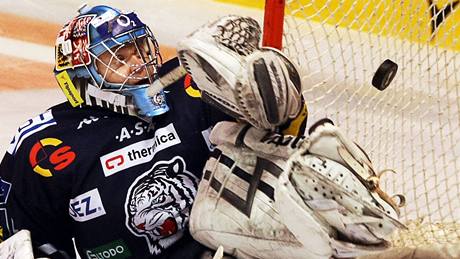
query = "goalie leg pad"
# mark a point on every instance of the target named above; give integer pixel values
(328, 141)
(317, 189)
(300, 220)
(281, 196)
(234, 207)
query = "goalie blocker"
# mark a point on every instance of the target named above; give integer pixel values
(266, 195)
(257, 85)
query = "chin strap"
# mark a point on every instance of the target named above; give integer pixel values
(117, 102)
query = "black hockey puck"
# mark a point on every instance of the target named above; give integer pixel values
(384, 74)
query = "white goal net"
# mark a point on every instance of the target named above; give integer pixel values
(413, 125)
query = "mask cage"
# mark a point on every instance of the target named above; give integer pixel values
(146, 49)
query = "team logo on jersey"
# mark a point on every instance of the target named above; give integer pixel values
(86, 206)
(52, 154)
(32, 126)
(158, 203)
(58, 156)
(140, 152)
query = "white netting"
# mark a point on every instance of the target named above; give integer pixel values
(413, 125)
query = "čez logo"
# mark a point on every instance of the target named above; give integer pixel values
(86, 206)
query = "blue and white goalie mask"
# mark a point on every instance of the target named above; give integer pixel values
(117, 53)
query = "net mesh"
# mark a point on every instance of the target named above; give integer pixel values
(241, 35)
(413, 125)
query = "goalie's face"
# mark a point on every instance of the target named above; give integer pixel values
(128, 64)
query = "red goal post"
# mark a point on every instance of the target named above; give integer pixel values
(273, 23)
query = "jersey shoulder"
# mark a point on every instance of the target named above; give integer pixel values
(31, 128)
(59, 121)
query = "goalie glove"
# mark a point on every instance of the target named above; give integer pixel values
(267, 195)
(258, 85)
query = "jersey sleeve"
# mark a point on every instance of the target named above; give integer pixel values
(214, 115)
(29, 199)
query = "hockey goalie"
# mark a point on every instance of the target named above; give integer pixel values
(270, 191)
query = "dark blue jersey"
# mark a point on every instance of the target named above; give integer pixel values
(121, 187)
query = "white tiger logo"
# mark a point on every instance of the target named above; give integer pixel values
(158, 203)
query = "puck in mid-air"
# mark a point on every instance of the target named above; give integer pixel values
(384, 74)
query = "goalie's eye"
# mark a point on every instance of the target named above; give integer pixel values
(121, 58)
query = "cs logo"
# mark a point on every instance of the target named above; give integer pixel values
(190, 87)
(59, 158)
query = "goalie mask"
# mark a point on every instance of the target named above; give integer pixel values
(117, 54)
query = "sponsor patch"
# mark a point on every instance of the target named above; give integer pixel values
(117, 249)
(32, 126)
(86, 206)
(128, 132)
(69, 89)
(140, 152)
